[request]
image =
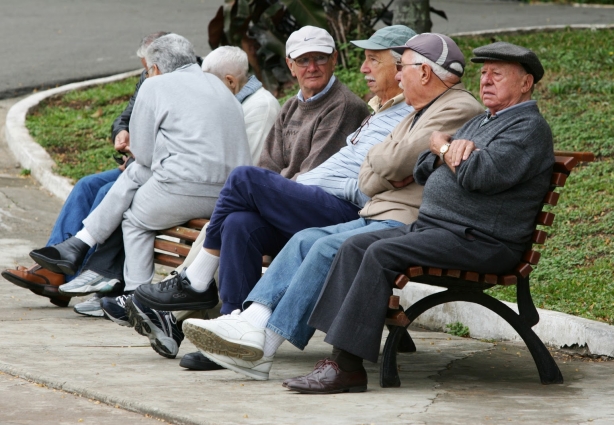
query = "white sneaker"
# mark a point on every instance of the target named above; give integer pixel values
(90, 307)
(229, 335)
(87, 283)
(258, 370)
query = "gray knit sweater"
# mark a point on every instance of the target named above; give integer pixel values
(499, 189)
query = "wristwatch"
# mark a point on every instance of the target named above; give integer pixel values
(443, 150)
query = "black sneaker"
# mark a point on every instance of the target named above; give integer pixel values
(65, 257)
(114, 308)
(160, 327)
(176, 293)
(198, 361)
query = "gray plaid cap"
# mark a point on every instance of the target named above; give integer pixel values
(438, 48)
(508, 52)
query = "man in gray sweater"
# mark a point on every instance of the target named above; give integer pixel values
(184, 147)
(483, 188)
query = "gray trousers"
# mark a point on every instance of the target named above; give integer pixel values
(142, 205)
(352, 306)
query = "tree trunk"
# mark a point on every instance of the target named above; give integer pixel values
(414, 14)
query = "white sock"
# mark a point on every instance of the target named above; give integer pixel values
(202, 269)
(84, 236)
(257, 315)
(272, 341)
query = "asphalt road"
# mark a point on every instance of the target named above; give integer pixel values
(44, 43)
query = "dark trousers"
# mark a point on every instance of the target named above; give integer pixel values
(352, 306)
(108, 259)
(257, 212)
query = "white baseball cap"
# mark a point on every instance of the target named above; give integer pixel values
(309, 39)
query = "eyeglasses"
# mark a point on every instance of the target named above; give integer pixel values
(303, 62)
(401, 65)
(147, 74)
(365, 123)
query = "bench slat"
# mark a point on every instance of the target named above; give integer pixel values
(181, 232)
(580, 156)
(507, 280)
(539, 237)
(172, 247)
(551, 198)
(545, 218)
(168, 260)
(523, 269)
(532, 257)
(558, 179)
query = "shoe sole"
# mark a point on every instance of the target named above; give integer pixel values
(250, 373)
(37, 288)
(91, 313)
(206, 340)
(146, 328)
(175, 307)
(101, 288)
(56, 266)
(360, 389)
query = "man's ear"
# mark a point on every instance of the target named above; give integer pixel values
(289, 63)
(232, 82)
(527, 83)
(426, 73)
(334, 56)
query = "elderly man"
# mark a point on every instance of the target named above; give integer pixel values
(484, 187)
(260, 108)
(84, 198)
(181, 161)
(282, 301)
(332, 185)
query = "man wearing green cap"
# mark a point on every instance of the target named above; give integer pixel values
(281, 302)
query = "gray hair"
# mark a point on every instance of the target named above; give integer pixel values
(438, 70)
(395, 55)
(227, 60)
(147, 40)
(170, 52)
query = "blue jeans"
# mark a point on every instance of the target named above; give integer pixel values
(292, 284)
(85, 196)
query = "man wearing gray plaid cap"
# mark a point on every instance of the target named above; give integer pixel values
(483, 188)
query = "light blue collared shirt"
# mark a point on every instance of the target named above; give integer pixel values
(319, 95)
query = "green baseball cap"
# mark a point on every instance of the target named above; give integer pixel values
(386, 37)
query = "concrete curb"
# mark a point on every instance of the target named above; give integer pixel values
(29, 153)
(554, 328)
(528, 30)
(86, 392)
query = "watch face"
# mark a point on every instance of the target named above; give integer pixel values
(444, 148)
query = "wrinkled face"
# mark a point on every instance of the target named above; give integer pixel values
(409, 77)
(379, 68)
(312, 77)
(503, 84)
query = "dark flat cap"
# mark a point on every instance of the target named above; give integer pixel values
(508, 52)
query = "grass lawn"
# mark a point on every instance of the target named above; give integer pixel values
(576, 96)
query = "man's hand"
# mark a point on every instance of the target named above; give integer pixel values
(459, 151)
(405, 182)
(122, 141)
(438, 139)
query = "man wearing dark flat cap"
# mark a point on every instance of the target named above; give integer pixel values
(483, 188)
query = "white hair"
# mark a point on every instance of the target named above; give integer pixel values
(147, 40)
(170, 52)
(395, 55)
(438, 70)
(227, 60)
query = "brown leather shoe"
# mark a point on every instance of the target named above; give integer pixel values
(40, 281)
(327, 378)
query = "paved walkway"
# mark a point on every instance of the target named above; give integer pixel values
(114, 372)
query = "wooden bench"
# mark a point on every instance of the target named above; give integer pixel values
(172, 253)
(469, 286)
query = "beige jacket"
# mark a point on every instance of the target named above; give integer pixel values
(394, 159)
